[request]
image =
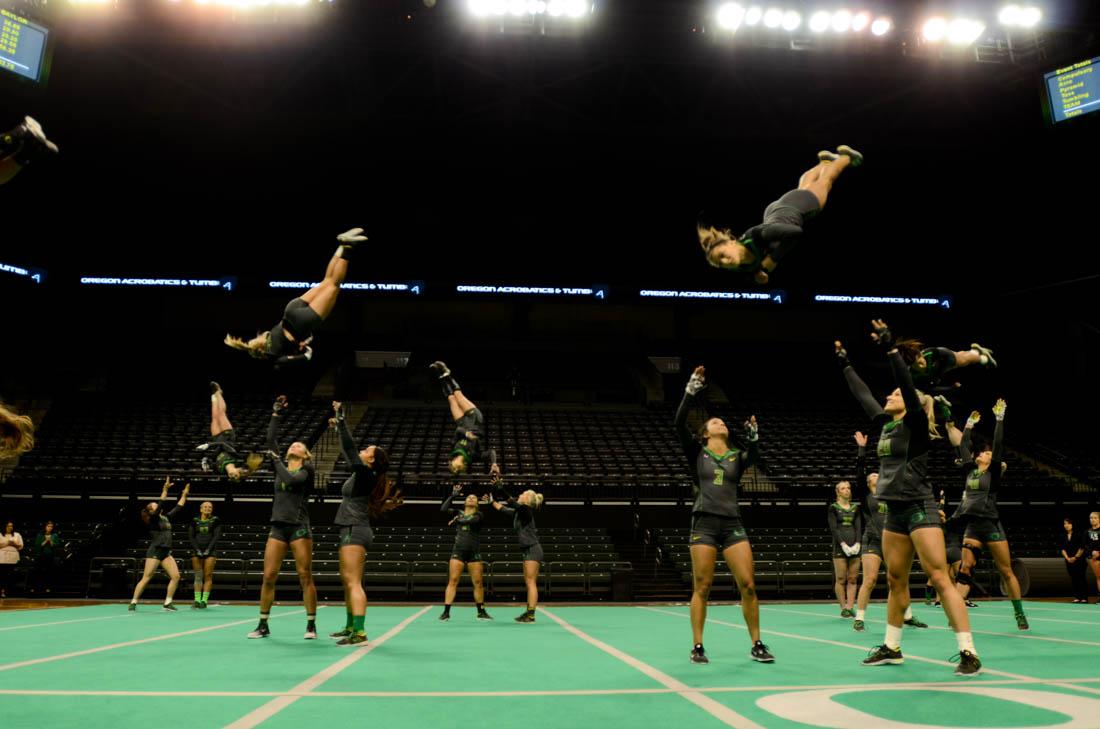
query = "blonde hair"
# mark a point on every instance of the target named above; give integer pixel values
(16, 433)
(457, 468)
(309, 454)
(839, 484)
(256, 347)
(539, 499)
(710, 238)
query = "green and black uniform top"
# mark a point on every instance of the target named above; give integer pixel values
(282, 351)
(225, 451)
(204, 534)
(904, 444)
(780, 229)
(467, 527)
(523, 520)
(846, 524)
(716, 477)
(938, 361)
(291, 488)
(874, 513)
(1092, 542)
(354, 509)
(44, 549)
(979, 498)
(469, 432)
(160, 525)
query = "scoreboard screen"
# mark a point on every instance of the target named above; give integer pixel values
(23, 46)
(1073, 91)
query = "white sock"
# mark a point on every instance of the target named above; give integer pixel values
(966, 642)
(860, 614)
(893, 637)
(909, 613)
(983, 359)
(339, 252)
(213, 398)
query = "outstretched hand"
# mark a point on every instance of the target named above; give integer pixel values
(697, 381)
(999, 409)
(752, 430)
(861, 439)
(974, 418)
(841, 354)
(882, 335)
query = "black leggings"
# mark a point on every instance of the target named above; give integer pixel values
(7, 578)
(1077, 576)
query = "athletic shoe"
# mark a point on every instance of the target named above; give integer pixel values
(34, 141)
(846, 613)
(261, 631)
(1021, 622)
(883, 656)
(445, 617)
(827, 156)
(969, 665)
(482, 615)
(698, 655)
(858, 625)
(195, 605)
(526, 618)
(914, 623)
(760, 653)
(203, 605)
(133, 607)
(856, 157)
(353, 640)
(311, 632)
(340, 634)
(440, 369)
(170, 607)
(970, 603)
(986, 355)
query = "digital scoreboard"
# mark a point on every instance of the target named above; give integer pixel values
(1073, 91)
(23, 45)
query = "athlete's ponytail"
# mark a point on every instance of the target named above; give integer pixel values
(256, 347)
(16, 433)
